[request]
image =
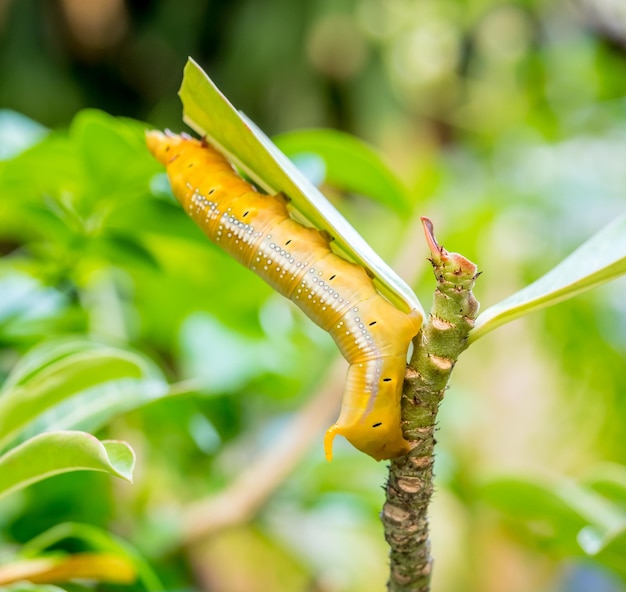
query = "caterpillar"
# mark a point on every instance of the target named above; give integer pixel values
(297, 261)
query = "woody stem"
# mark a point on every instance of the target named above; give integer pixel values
(410, 485)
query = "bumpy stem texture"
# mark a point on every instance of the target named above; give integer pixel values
(410, 485)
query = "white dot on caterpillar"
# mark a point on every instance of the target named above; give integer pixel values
(265, 267)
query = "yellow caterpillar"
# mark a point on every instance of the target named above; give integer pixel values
(337, 295)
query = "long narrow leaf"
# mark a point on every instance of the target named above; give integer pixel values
(601, 259)
(209, 113)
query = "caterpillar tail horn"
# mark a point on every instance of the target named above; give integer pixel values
(331, 432)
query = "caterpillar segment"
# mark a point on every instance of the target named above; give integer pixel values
(337, 295)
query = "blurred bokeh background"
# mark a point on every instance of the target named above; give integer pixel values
(506, 122)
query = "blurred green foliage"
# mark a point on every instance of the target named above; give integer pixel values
(505, 120)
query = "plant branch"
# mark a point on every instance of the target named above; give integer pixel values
(240, 501)
(410, 485)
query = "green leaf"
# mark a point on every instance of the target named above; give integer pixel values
(94, 408)
(54, 453)
(122, 249)
(351, 165)
(112, 153)
(58, 171)
(42, 356)
(210, 114)
(608, 479)
(601, 259)
(65, 373)
(572, 516)
(555, 499)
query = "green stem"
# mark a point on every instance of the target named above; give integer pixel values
(410, 485)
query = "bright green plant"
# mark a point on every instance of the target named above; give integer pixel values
(453, 323)
(91, 232)
(55, 390)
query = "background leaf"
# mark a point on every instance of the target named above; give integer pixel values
(599, 260)
(351, 165)
(54, 453)
(75, 369)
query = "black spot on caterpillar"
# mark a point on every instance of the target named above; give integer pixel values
(297, 261)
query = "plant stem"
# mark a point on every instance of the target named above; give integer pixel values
(437, 347)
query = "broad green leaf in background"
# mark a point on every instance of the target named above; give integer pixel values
(350, 164)
(60, 371)
(54, 453)
(572, 517)
(210, 114)
(96, 134)
(608, 479)
(42, 356)
(601, 259)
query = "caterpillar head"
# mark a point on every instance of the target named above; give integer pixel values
(164, 145)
